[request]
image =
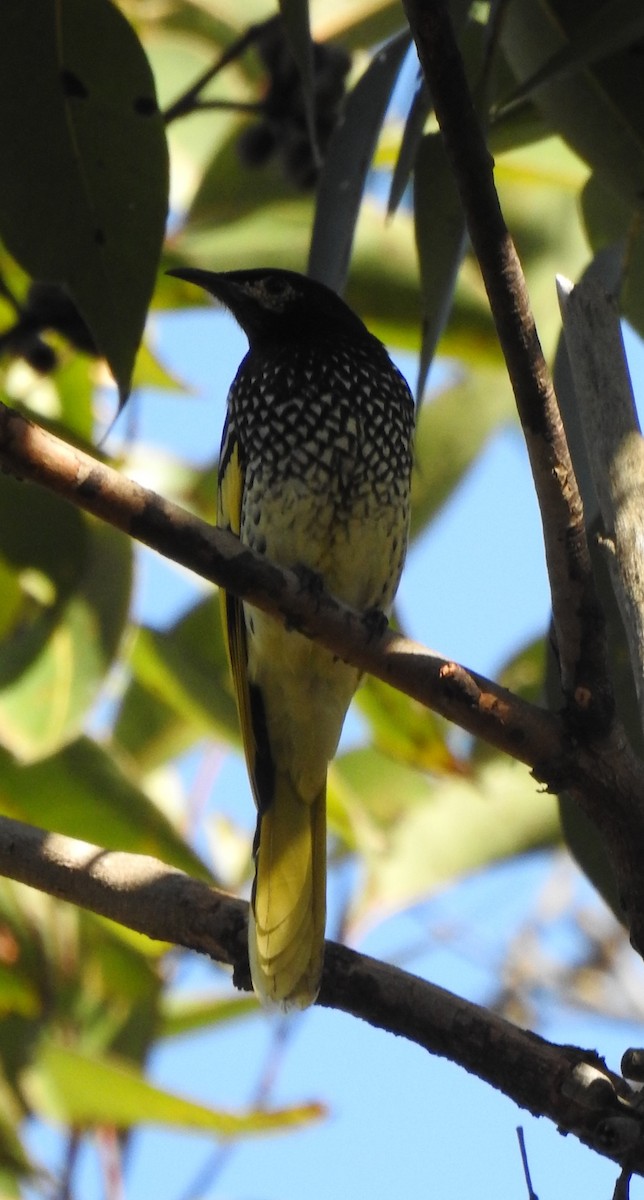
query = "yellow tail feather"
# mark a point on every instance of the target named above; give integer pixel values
(286, 929)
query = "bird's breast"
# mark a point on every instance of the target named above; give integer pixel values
(326, 445)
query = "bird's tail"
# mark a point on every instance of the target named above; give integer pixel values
(288, 908)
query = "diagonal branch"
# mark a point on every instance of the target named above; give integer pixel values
(577, 616)
(481, 707)
(570, 1086)
(601, 772)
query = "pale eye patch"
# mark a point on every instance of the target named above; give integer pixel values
(271, 293)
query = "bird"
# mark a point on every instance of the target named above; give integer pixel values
(314, 473)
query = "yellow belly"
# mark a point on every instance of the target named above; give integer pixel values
(306, 690)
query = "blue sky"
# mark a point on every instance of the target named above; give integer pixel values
(400, 1122)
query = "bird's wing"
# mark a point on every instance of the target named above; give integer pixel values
(230, 496)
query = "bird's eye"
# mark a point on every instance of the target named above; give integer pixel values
(273, 286)
(273, 293)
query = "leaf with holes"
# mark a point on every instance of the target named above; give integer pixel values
(83, 189)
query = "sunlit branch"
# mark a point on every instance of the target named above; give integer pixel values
(570, 1086)
(478, 705)
(601, 773)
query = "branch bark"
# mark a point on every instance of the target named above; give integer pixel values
(481, 707)
(600, 771)
(614, 446)
(576, 613)
(571, 1086)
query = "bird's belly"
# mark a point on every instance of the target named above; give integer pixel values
(356, 543)
(358, 551)
(306, 692)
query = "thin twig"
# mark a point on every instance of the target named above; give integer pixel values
(189, 101)
(242, 106)
(622, 1185)
(532, 1195)
(209, 1174)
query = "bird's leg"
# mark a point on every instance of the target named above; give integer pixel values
(310, 581)
(375, 622)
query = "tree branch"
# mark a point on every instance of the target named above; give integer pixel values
(570, 1086)
(614, 445)
(479, 706)
(576, 612)
(600, 772)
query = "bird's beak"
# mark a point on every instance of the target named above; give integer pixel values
(210, 281)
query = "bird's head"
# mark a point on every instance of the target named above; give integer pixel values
(276, 305)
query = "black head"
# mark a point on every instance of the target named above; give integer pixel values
(276, 305)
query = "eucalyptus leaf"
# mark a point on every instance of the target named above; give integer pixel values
(83, 190)
(67, 1085)
(452, 430)
(186, 1014)
(295, 14)
(180, 689)
(614, 26)
(598, 110)
(404, 729)
(75, 577)
(417, 833)
(81, 792)
(419, 110)
(440, 240)
(347, 163)
(611, 223)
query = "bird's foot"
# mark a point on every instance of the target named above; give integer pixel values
(313, 585)
(310, 581)
(375, 622)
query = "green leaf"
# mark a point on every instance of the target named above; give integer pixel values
(231, 190)
(181, 688)
(75, 577)
(67, 1086)
(419, 110)
(185, 1014)
(418, 833)
(14, 1163)
(18, 993)
(348, 159)
(610, 222)
(616, 25)
(524, 673)
(295, 14)
(452, 430)
(404, 729)
(82, 792)
(598, 110)
(358, 26)
(440, 241)
(514, 127)
(75, 386)
(83, 190)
